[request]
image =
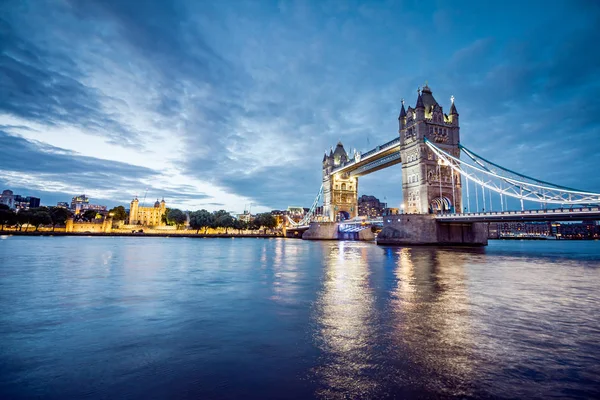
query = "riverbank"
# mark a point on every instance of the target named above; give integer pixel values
(141, 234)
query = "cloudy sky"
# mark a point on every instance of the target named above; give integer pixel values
(223, 104)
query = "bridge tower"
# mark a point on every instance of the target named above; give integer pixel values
(340, 191)
(427, 186)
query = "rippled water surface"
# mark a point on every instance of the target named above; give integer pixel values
(288, 319)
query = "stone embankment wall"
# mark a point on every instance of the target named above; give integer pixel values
(103, 226)
(417, 229)
(322, 231)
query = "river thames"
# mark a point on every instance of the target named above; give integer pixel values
(184, 318)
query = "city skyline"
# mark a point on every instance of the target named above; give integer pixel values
(224, 105)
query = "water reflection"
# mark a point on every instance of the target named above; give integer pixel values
(431, 317)
(345, 312)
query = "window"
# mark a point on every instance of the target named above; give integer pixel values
(343, 186)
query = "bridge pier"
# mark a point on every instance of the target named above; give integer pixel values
(331, 231)
(423, 229)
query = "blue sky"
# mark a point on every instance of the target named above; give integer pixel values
(220, 104)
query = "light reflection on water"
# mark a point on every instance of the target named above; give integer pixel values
(213, 318)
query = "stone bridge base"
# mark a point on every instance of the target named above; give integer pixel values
(330, 231)
(416, 229)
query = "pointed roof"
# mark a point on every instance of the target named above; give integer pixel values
(427, 98)
(402, 111)
(420, 101)
(325, 157)
(339, 150)
(453, 107)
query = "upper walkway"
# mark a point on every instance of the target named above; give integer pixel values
(380, 157)
(557, 214)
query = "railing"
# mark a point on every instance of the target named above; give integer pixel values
(369, 153)
(580, 210)
(375, 164)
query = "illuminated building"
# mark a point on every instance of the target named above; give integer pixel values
(149, 216)
(429, 187)
(370, 206)
(81, 203)
(15, 201)
(339, 190)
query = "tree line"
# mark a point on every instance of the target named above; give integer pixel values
(33, 217)
(200, 219)
(203, 219)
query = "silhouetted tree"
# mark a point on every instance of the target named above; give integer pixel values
(201, 219)
(40, 217)
(176, 216)
(23, 217)
(59, 216)
(89, 215)
(7, 216)
(118, 213)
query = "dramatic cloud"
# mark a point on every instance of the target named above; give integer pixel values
(226, 104)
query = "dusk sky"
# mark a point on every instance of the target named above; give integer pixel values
(220, 104)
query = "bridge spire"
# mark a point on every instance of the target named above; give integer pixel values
(402, 111)
(420, 100)
(453, 107)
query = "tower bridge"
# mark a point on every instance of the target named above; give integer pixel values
(429, 150)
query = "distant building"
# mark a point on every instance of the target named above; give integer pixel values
(7, 198)
(18, 202)
(391, 211)
(524, 229)
(370, 206)
(149, 216)
(62, 204)
(81, 203)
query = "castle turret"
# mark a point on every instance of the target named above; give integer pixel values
(402, 118)
(133, 211)
(453, 113)
(420, 107)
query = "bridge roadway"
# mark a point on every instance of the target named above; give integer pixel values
(558, 214)
(380, 157)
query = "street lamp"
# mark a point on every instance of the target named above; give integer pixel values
(402, 208)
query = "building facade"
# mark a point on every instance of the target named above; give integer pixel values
(18, 202)
(148, 216)
(427, 185)
(370, 206)
(340, 191)
(81, 203)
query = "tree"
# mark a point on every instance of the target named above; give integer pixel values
(118, 213)
(40, 217)
(7, 216)
(164, 218)
(59, 216)
(240, 225)
(222, 219)
(89, 215)
(266, 220)
(23, 217)
(177, 216)
(226, 221)
(201, 219)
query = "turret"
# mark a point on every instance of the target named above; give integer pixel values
(453, 113)
(402, 118)
(339, 155)
(420, 107)
(133, 211)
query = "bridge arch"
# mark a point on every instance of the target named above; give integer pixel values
(440, 204)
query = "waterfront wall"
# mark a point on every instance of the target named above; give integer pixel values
(104, 226)
(330, 231)
(417, 229)
(321, 231)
